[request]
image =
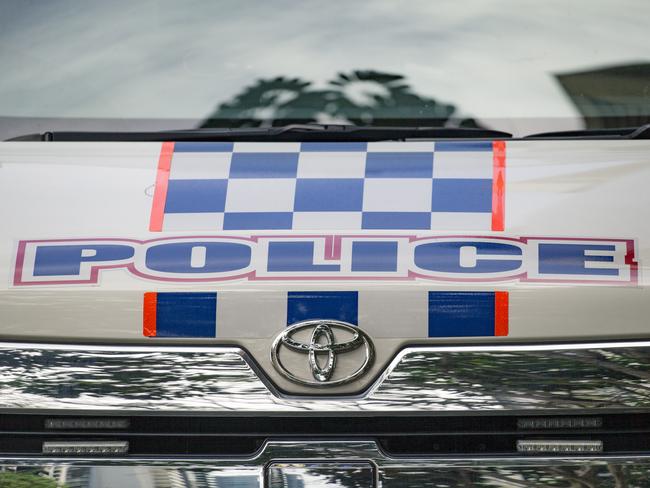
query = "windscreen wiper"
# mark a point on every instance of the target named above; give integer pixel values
(288, 133)
(641, 132)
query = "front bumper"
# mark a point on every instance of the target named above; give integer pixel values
(356, 464)
(438, 416)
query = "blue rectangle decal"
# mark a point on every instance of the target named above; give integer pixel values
(465, 314)
(180, 314)
(331, 305)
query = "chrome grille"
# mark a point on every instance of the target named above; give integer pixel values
(613, 375)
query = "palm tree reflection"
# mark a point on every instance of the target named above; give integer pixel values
(359, 98)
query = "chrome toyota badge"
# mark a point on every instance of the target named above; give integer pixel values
(322, 353)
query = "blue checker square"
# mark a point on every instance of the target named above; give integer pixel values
(264, 165)
(329, 195)
(257, 220)
(331, 305)
(396, 220)
(399, 165)
(186, 196)
(186, 314)
(461, 195)
(203, 146)
(333, 146)
(464, 146)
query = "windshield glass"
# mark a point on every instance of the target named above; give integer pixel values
(509, 65)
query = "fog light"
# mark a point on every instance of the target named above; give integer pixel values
(559, 423)
(85, 448)
(82, 423)
(564, 447)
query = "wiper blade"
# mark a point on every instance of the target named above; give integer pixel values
(288, 133)
(641, 132)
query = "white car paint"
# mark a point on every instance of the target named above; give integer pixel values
(565, 189)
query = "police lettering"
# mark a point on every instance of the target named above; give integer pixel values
(186, 259)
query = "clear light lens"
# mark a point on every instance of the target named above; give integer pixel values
(82, 423)
(85, 448)
(553, 446)
(559, 423)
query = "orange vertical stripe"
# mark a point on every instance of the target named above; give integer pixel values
(149, 314)
(498, 185)
(160, 191)
(501, 313)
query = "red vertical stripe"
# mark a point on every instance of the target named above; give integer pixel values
(160, 192)
(149, 314)
(498, 185)
(501, 313)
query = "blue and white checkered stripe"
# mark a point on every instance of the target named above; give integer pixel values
(389, 314)
(330, 186)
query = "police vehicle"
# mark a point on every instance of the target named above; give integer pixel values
(291, 245)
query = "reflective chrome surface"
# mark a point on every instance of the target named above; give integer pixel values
(564, 472)
(315, 348)
(425, 379)
(323, 474)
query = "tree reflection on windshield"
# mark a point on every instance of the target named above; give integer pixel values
(359, 98)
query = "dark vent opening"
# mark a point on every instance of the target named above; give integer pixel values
(165, 436)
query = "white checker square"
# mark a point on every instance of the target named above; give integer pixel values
(326, 221)
(260, 195)
(267, 147)
(200, 166)
(332, 164)
(462, 164)
(397, 195)
(392, 146)
(193, 221)
(469, 221)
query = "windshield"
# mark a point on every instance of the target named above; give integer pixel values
(508, 65)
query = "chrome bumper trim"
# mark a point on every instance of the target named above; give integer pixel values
(603, 375)
(390, 472)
